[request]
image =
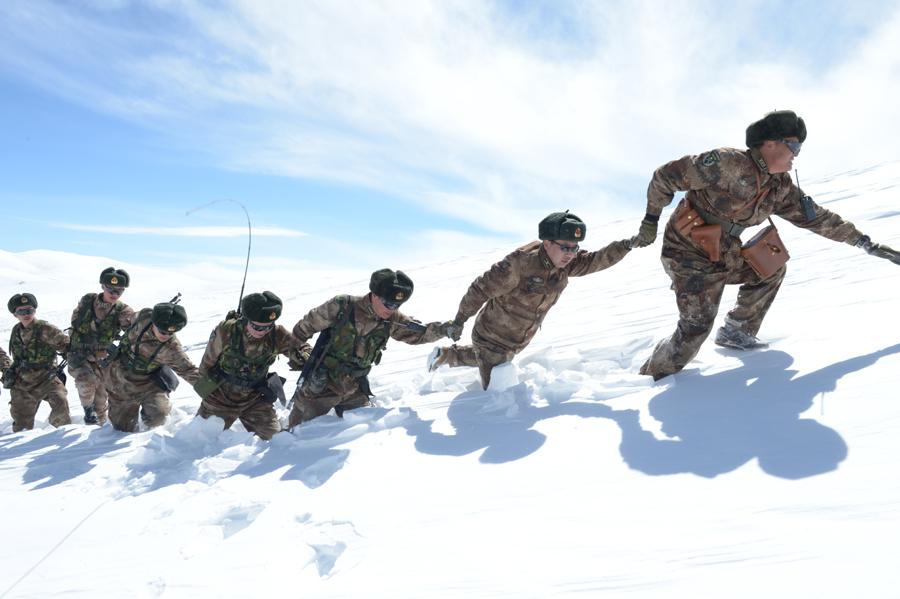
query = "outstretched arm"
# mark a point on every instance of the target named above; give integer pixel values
(502, 278)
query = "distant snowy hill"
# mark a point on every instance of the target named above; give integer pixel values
(766, 474)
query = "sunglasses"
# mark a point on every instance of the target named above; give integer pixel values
(567, 249)
(24, 311)
(260, 328)
(390, 304)
(793, 146)
(113, 290)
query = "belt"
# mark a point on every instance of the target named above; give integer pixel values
(728, 227)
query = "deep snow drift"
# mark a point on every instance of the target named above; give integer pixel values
(771, 472)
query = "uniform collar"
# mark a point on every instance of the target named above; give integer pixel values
(758, 160)
(545, 258)
(367, 306)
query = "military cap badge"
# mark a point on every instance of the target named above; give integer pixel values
(399, 296)
(23, 300)
(578, 232)
(114, 280)
(172, 328)
(272, 316)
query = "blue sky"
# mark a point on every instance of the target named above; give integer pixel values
(370, 133)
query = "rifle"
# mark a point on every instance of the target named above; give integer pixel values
(323, 343)
(60, 370)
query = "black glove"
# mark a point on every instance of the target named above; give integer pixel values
(647, 233)
(452, 329)
(878, 250)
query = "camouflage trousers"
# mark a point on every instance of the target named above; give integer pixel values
(132, 395)
(90, 381)
(483, 357)
(347, 394)
(698, 294)
(25, 401)
(232, 403)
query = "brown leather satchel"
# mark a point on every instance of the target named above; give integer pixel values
(709, 239)
(690, 224)
(687, 218)
(765, 252)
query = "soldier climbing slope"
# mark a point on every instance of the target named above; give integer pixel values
(97, 322)
(353, 332)
(514, 296)
(143, 374)
(34, 375)
(729, 190)
(235, 382)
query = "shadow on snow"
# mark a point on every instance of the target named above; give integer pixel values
(715, 424)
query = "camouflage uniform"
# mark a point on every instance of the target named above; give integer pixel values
(129, 383)
(733, 186)
(95, 324)
(517, 293)
(239, 364)
(34, 350)
(358, 337)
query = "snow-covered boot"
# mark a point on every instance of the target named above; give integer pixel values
(736, 338)
(437, 358)
(90, 415)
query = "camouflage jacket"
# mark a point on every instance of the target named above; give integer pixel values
(140, 351)
(365, 321)
(5, 362)
(40, 339)
(518, 291)
(261, 352)
(93, 327)
(736, 186)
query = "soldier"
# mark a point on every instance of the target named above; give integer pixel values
(34, 374)
(514, 296)
(141, 377)
(354, 332)
(235, 382)
(5, 362)
(729, 190)
(97, 322)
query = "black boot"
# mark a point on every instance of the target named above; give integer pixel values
(90, 416)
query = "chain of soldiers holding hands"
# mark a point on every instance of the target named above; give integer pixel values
(126, 363)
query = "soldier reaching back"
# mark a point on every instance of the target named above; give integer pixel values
(729, 190)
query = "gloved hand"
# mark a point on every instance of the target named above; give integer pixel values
(634, 242)
(297, 357)
(878, 250)
(452, 329)
(647, 233)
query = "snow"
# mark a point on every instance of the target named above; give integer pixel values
(748, 474)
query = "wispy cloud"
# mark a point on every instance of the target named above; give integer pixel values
(182, 231)
(469, 107)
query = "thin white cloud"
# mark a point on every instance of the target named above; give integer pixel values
(182, 231)
(456, 105)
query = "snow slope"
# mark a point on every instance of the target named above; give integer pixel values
(765, 473)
